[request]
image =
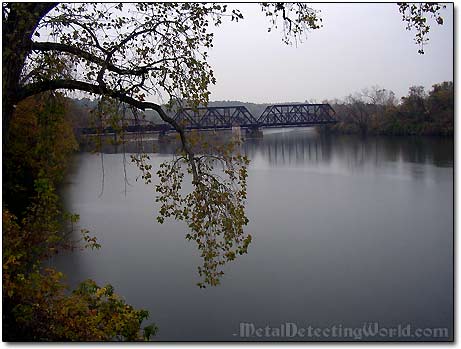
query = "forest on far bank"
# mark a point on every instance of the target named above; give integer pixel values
(377, 111)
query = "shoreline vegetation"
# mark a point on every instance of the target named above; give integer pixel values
(37, 304)
(376, 112)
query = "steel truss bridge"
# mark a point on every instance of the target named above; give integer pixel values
(219, 118)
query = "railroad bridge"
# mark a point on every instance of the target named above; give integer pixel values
(218, 118)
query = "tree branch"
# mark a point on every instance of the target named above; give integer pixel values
(51, 46)
(49, 85)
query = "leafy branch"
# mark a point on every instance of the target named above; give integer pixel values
(214, 209)
(415, 17)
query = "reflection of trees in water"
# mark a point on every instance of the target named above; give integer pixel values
(436, 151)
(290, 148)
(377, 151)
(358, 152)
(308, 147)
(140, 145)
(295, 148)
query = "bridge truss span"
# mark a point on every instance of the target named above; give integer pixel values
(290, 115)
(215, 118)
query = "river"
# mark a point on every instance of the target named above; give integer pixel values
(346, 232)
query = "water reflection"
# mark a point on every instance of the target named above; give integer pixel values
(291, 148)
(301, 147)
(346, 231)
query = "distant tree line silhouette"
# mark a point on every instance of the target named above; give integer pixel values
(376, 111)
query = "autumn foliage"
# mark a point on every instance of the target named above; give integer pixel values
(419, 113)
(37, 305)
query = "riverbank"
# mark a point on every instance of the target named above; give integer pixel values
(37, 305)
(378, 113)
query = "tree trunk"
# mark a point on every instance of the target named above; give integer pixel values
(19, 21)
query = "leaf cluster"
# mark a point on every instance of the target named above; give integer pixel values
(89, 313)
(415, 16)
(297, 19)
(214, 209)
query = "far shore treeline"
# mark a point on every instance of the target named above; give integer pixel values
(376, 111)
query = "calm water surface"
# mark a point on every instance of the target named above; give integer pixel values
(346, 231)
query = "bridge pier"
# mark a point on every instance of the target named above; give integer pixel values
(253, 132)
(237, 133)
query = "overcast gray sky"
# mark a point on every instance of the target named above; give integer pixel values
(360, 45)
